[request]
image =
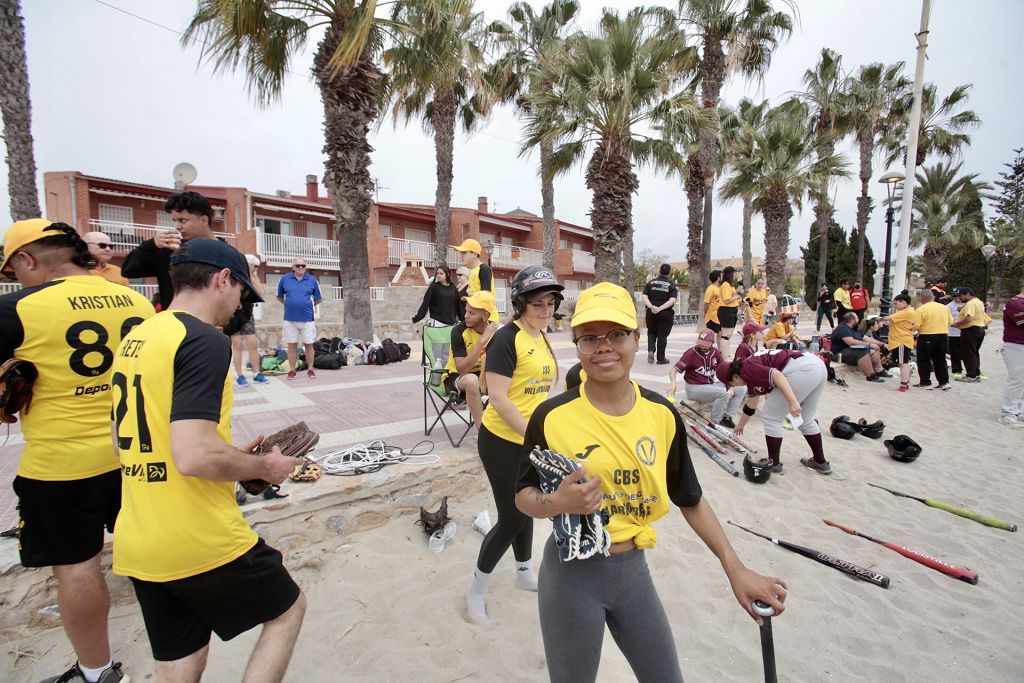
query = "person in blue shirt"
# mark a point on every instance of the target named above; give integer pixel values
(299, 292)
(857, 349)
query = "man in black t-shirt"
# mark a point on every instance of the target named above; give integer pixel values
(660, 298)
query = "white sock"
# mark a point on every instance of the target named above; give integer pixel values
(93, 675)
(476, 596)
(526, 580)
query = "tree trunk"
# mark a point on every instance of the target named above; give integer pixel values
(611, 179)
(934, 266)
(694, 186)
(705, 236)
(628, 269)
(864, 205)
(443, 121)
(547, 205)
(777, 214)
(350, 106)
(748, 260)
(713, 71)
(16, 108)
(823, 216)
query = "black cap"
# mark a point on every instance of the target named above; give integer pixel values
(214, 252)
(960, 291)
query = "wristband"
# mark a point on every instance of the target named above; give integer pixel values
(748, 411)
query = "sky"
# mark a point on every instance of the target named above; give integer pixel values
(117, 96)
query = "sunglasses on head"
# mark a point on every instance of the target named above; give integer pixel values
(299, 266)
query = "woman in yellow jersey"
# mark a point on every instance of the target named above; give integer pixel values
(756, 298)
(901, 336)
(712, 300)
(635, 460)
(728, 310)
(782, 334)
(520, 370)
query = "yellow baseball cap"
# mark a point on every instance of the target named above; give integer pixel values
(605, 302)
(25, 232)
(482, 300)
(469, 245)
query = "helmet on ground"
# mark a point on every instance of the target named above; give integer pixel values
(535, 281)
(842, 428)
(757, 471)
(901, 447)
(873, 430)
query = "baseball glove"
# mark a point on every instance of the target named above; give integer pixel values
(432, 521)
(16, 379)
(294, 441)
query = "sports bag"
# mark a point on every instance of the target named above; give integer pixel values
(391, 352)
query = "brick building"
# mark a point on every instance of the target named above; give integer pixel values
(278, 227)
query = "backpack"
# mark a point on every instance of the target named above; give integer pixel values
(321, 347)
(336, 346)
(405, 349)
(389, 349)
(328, 361)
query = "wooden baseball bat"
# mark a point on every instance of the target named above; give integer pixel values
(714, 456)
(967, 514)
(850, 568)
(928, 561)
(734, 440)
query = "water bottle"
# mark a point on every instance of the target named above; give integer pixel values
(814, 345)
(435, 373)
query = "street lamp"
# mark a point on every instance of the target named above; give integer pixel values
(987, 251)
(890, 180)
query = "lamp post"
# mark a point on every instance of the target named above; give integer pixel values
(987, 251)
(890, 180)
(489, 248)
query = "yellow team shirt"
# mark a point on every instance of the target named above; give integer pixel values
(725, 292)
(842, 296)
(475, 285)
(778, 331)
(757, 300)
(976, 310)
(641, 457)
(173, 367)
(901, 328)
(933, 318)
(713, 298)
(69, 329)
(525, 359)
(463, 340)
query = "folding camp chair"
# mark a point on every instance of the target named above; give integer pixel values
(437, 343)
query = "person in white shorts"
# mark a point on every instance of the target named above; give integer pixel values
(299, 292)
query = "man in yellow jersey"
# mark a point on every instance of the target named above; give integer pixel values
(196, 565)
(932, 321)
(971, 323)
(756, 299)
(901, 337)
(466, 356)
(102, 249)
(67, 323)
(481, 279)
(842, 299)
(712, 300)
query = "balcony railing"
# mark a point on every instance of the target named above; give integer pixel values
(515, 258)
(397, 248)
(582, 261)
(500, 298)
(127, 236)
(281, 250)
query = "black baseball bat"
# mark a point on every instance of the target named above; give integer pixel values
(825, 559)
(766, 613)
(719, 460)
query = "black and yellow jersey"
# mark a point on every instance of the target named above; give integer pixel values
(641, 457)
(481, 279)
(173, 367)
(69, 329)
(575, 377)
(463, 340)
(515, 353)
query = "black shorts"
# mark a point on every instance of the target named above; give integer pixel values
(727, 317)
(900, 355)
(228, 601)
(62, 522)
(449, 383)
(248, 328)
(851, 356)
(712, 325)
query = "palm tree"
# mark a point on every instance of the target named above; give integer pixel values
(782, 168)
(739, 127)
(734, 35)
(870, 95)
(604, 88)
(944, 129)
(830, 123)
(947, 214)
(16, 108)
(435, 69)
(260, 39)
(533, 37)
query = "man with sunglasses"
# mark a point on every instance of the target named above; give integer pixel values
(102, 249)
(299, 292)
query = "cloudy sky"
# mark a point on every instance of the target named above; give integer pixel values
(116, 95)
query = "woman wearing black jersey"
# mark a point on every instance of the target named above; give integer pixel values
(519, 370)
(637, 466)
(441, 299)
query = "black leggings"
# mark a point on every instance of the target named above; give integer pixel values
(659, 325)
(825, 312)
(501, 462)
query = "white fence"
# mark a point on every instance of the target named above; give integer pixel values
(422, 250)
(508, 256)
(127, 236)
(281, 250)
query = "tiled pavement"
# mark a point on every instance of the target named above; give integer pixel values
(350, 406)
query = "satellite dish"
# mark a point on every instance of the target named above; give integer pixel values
(184, 173)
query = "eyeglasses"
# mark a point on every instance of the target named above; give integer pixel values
(104, 245)
(589, 343)
(300, 266)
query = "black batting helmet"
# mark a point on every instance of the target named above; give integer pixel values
(534, 280)
(901, 447)
(757, 471)
(873, 430)
(842, 428)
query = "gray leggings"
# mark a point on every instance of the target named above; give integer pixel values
(806, 376)
(718, 395)
(578, 598)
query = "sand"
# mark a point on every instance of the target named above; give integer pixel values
(383, 608)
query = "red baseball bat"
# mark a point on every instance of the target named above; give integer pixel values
(695, 428)
(928, 561)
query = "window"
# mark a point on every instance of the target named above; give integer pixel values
(274, 226)
(316, 230)
(417, 235)
(506, 240)
(577, 246)
(328, 281)
(384, 230)
(163, 219)
(115, 214)
(563, 244)
(272, 280)
(238, 218)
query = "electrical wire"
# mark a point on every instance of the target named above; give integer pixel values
(372, 457)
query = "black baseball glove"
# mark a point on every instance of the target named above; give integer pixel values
(16, 379)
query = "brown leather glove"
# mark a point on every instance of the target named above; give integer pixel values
(16, 379)
(294, 441)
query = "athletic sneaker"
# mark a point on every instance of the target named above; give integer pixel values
(777, 469)
(75, 675)
(292, 374)
(957, 374)
(1010, 421)
(727, 422)
(438, 539)
(650, 358)
(923, 384)
(310, 374)
(903, 388)
(241, 381)
(875, 378)
(823, 467)
(969, 380)
(663, 361)
(982, 377)
(260, 379)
